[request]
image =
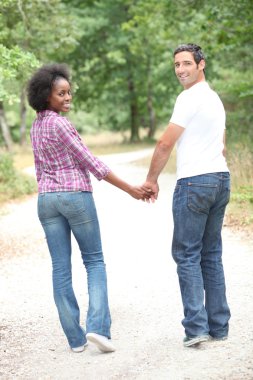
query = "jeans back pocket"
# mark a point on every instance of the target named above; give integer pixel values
(201, 196)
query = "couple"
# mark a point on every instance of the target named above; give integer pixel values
(65, 202)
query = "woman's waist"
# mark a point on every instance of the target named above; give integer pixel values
(65, 180)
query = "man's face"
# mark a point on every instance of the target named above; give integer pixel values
(187, 70)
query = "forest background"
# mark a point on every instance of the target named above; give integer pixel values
(120, 53)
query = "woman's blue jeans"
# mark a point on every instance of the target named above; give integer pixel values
(60, 213)
(199, 204)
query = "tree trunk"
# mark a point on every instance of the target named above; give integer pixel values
(133, 111)
(151, 111)
(152, 120)
(5, 129)
(22, 118)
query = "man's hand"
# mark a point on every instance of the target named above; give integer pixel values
(152, 189)
(138, 192)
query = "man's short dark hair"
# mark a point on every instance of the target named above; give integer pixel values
(194, 49)
(40, 85)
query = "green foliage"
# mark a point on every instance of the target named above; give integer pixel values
(121, 62)
(28, 37)
(120, 53)
(15, 64)
(243, 194)
(7, 170)
(127, 44)
(12, 183)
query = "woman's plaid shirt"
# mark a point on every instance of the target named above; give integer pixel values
(62, 161)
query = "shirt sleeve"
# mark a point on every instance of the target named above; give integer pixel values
(183, 111)
(70, 138)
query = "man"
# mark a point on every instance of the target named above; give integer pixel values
(200, 197)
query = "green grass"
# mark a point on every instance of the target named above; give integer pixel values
(243, 194)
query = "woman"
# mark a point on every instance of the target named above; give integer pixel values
(65, 204)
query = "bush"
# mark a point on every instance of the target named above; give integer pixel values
(240, 158)
(12, 183)
(7, 170)
(240, 211)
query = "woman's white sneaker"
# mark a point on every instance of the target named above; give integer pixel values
(80, 348)
(102, 342)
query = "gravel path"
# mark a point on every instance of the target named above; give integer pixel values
(143, 289)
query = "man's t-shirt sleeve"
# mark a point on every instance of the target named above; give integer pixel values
(184, 110)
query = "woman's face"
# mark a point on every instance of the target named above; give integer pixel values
(60, 98)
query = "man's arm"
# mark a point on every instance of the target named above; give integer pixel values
(160, 157)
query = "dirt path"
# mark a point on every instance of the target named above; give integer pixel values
(144, 297)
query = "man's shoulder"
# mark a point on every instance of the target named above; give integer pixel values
(201, 89)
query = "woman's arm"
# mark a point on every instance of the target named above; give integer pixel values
(135, 191)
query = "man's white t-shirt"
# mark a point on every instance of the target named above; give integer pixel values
(199, 149)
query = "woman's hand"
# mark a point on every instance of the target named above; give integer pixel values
(138, 192)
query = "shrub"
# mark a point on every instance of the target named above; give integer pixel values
(13, 184)
(7, 170)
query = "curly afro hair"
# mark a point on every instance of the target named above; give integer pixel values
(40, 85)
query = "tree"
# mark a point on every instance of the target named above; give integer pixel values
(120, 53)
(224, 30)
(14, 61)
(118, 64)
(28, 30)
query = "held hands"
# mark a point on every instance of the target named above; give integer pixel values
(152, 189)
(138, 192)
